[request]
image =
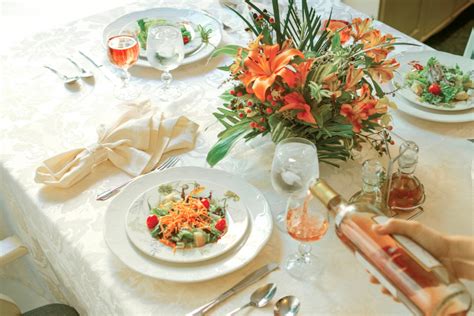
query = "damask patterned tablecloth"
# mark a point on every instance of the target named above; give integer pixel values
(64, 228)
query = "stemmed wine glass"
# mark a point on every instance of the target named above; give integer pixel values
(123, 51)
(295, 164)
(307, 221)
(165, 51)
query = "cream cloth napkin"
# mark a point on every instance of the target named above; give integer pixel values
(135, 143)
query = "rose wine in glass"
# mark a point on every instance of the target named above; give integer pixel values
(405, 269)
(306, 222)
(123, 51)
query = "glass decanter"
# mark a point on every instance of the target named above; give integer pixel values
(406, 191)
(372, 174)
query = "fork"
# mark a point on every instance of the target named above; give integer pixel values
(168, 163)
(83, 73)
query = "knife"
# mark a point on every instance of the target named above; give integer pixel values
(99, 66)
(248, 280)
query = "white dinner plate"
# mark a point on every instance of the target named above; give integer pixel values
(139, 234)
(432, 115)
(466, 64)
(258, 232)
(194, 44)
(177, 16)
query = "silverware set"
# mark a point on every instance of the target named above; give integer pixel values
(285, 306)
(83, 73)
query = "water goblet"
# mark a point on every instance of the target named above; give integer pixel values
(123, 51)
(165, 52)
(295, 164)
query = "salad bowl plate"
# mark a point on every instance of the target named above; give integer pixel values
(399, 81)
(139, 234)
(258, 232)
(189, 19)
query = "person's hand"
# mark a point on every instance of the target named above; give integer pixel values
(455, 252)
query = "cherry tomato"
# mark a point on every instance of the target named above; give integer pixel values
(418, 66)
(221, 225)
(205, 202)
(435, 89)
(185, 39)
(152, 221)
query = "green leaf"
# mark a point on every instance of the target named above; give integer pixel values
(378, 89)
(230, 50)
(277, 26)
(242, 125)
(224, 68)
(222, 147)
(335, 42)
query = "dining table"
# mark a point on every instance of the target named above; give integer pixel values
(63, 228)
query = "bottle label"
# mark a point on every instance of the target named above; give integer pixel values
(415, 250)
(372, 270)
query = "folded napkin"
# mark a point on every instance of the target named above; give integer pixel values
(135, 143)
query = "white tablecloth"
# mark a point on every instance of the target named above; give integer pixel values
(64, 228)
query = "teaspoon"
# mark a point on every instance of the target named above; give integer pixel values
(259, 298)
(64, 78)
(287, 306)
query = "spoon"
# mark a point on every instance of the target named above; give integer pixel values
(84, 73)
(287, 306)
(63, 77)
(259, 298)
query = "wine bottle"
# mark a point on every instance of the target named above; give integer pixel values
(404, 268)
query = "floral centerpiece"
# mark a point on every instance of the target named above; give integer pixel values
(302, 76)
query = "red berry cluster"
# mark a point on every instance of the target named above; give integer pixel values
(261, 19)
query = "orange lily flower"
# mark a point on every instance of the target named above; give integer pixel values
(295, 101)
(353, 77)
(373, 40)
(361, 108)
(237, 64)
(340, 26)
(297, 78)
(384, 72)
(263, 65)
(333, 84)
(361, 28)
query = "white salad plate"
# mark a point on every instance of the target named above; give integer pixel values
(257, 234)
(140, 236)
(196, 50)
(421, 112)
(450, 60)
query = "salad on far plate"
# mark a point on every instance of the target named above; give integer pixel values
(438, 84)
(184, 218)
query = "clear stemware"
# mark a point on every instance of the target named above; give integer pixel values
(123, 51)
(306, 221)
(165, 52)
(295, 164)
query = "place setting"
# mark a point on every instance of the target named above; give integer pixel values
(435, 86)
(320, 91)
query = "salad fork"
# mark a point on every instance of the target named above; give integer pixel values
(63, 77)
(168, 163)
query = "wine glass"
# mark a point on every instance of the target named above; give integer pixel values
(306, 221)
(165, 51)
(295, 164)
(123, 51)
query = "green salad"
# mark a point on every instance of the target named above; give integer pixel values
(145, 24)
(438, 84)
(188, 219)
